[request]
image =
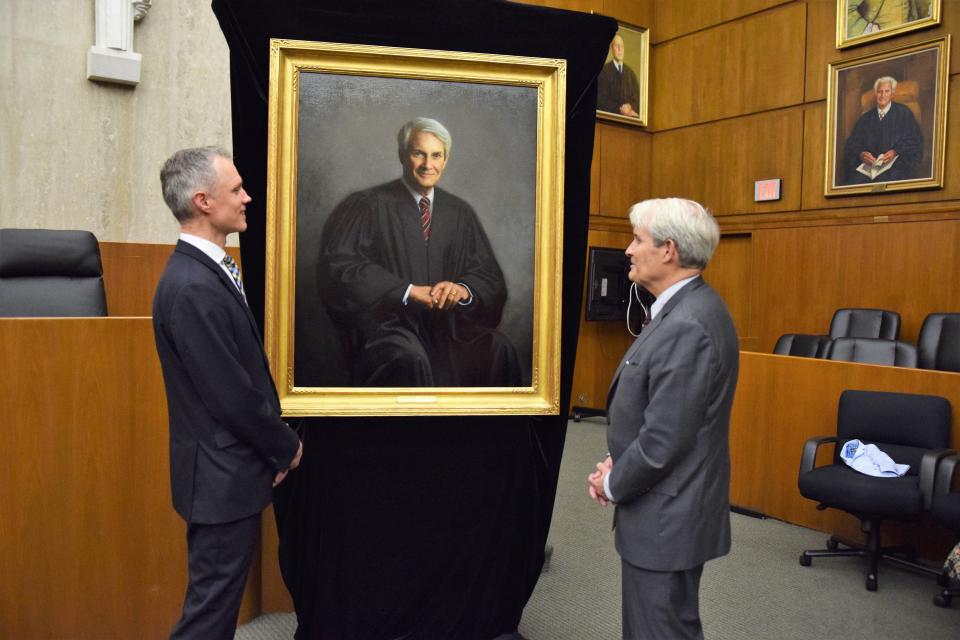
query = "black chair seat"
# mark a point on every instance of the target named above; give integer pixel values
(843, 488)
(946, 509)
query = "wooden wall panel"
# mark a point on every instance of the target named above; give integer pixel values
(595, 174)
(734, 69)
(601, 344)
(717, 163)
(783, 401)
(730, 272)
(803, 275)
(822, 48)
(675, 18)
(635, 12)
(624, 168)
(586, 6)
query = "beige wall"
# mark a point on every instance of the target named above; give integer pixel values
(76, 154)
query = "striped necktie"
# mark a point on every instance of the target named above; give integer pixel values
(234, 270)
(425, 217)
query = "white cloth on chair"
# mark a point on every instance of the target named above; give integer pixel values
(869, 459)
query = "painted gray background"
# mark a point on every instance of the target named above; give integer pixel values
(348, 141)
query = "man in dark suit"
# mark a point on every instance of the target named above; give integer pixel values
(669, 413)
(410, 279)
(228, 444)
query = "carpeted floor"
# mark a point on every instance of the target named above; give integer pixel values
(758, 591)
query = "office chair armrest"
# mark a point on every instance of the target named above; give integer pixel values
(928, 467)
(810, 447)
(944, 479)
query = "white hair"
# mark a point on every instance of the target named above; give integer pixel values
(886, 80)
(692, 228)
(426, 125)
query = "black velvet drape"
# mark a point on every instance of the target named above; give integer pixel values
(418, 528)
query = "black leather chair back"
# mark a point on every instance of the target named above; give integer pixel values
(865, 323)
(50, 273)
(938, 346)
(893, 353)
(803, 345)
(902, 425)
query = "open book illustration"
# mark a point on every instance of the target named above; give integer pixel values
(875, 169)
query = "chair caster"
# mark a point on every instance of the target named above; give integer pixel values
(871, 582)
(832, 544)
(941, 600)
(943, 580)
(805, 560)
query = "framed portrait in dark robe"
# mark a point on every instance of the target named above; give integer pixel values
(887, 119)
(622, 83)
(413, 238)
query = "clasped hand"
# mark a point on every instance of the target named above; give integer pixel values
(595, 481)
(442, 296)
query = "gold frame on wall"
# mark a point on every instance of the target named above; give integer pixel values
(922, 72)
(636, 42)
(289, 62)
(846, 8)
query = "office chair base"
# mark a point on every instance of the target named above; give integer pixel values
(873, 552)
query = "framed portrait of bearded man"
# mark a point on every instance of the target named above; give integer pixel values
(860, 21)
(415, 206)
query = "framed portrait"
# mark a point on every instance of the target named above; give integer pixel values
(887, 120)
(860, 21)
(622, 83)
(414, 231)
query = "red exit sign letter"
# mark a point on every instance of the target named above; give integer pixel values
(766, 190)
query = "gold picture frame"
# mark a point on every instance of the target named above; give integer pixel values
(334, 115)
(626, 83)
(860, 21)
(907, 150)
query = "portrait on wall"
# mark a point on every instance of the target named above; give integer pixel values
(622, 83)
(886, 120)
(415, 208)
(860, 21)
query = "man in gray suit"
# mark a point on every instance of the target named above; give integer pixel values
(668, 411)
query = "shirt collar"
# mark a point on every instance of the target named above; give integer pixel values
(883, 112)
(664, 297)
(416, 194)
(213, 251)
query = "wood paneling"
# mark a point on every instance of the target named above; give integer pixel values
(783, 401)
(814, 159)
(730, 273)
(717, 163)
(601, 344)
(754, 64)
(675, 18)
(92, 547)
(635, 12)
(586, 6)
(624, 168)
(595, 174)
(822, 48)
(131, 271)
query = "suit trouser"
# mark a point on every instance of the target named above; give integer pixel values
(219, 558)
(661, 604)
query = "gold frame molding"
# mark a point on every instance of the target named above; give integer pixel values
(643, 74)
(289, 59)
(920, 23)
(939, 114)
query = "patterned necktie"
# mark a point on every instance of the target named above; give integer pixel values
(425, 217)
(881, 114)
(234, 270)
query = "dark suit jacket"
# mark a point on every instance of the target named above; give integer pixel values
(615, 89)
(669, 417)
(227, 440)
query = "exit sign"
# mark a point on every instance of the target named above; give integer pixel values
(766, 190)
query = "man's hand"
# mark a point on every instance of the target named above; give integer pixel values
(626, 109)
(447, 295)
(595, 481)
(422, 296)
(867, 158)
(277, 479)
(888, 156)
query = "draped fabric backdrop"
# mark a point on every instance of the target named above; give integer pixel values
(418, 528)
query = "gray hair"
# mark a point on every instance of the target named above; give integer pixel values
(426, 125)
(886, 80)
(691, 227)
(186, 172)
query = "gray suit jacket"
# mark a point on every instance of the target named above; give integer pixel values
(669, 417)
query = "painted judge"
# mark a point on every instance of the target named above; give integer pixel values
(411, 282)
(618, 90)
(886, 143)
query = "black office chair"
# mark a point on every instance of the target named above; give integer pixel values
(946, 508)
(892, 353)
(911, 429)
(50, 273)
(803, 345)
(865, 323)
(939, 343)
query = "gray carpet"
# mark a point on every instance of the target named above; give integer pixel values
(758, 591)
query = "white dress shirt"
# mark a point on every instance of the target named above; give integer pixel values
(213, 251)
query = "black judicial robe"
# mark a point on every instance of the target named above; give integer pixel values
(615, 89)
(371, 249)
(898, 130)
